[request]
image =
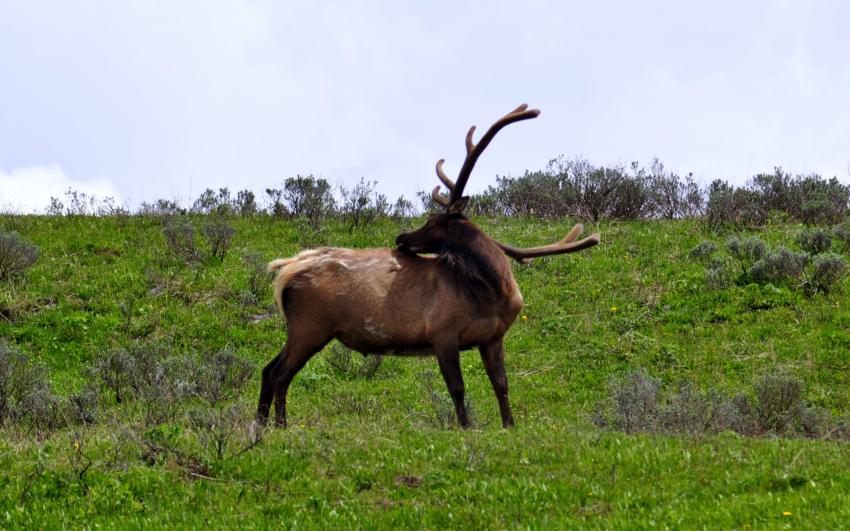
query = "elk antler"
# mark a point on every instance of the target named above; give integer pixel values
(473, 151)
(566, 245)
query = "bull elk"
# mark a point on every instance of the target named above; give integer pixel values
(445, 288)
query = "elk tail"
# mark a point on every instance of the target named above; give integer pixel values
(278, 266)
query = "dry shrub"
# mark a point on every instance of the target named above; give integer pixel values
(827, 270)
(27, 398)
(219, 235)
(814, 241)
(775, 406)
(158, 381)
(16, 255)
(345, 362)
(179, 235)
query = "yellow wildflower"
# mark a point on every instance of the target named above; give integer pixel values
(525, 318)
(786, 513)
(613, 309)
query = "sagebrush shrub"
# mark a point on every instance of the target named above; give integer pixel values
(346, 363)
(219, 235)
(747, 251)
(157, 380)
(841, 233)
(221, 375)
(737, 414)
(633, 403)
(259, 279)
(703, 251)
(179, 235)
(149, 374)
(778, 266)
(827, 270)
(26, 396)
(310, 197)
(814, 241)
(16, 255)
(361, 204)
(687, 411)
(637, 402)
(778, 402)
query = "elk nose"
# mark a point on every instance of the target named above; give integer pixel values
(400, 239)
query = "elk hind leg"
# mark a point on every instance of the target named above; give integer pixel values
(267, 388)
(299, 350)
(493, 356)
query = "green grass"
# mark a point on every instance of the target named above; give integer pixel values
(369, 452)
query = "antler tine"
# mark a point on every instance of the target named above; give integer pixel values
(440, 198)
(566, 245)
(450, 184)
(473, 150)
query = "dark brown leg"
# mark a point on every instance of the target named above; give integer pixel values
(297, 355)
(449, 359)
(267, 388)
(493, 356)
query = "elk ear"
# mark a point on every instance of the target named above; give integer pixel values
(458, 206)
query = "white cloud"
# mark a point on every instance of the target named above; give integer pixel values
(28, 190)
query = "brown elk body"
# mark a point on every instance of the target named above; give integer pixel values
(447, 287)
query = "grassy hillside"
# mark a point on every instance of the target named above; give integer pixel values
(378, 450)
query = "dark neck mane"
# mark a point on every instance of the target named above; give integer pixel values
(472, 260)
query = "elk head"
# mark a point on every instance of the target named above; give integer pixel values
(435, 234)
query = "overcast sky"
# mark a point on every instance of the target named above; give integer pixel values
(144, 100)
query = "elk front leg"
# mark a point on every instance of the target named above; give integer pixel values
(493, 356)
(448, 357)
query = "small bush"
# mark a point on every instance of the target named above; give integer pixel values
(637, 403)
(361, 204)
(220, 429)
(26, 396)
(246, 203)
(219, 235)
(150, 375)
(842, 233)
(747, 251)
(719, 272)
(728, 205)
(344, 362)
(633, 404)
(827, 270)
(309, 197)
(778, 402)
(220, 376)
(687, 411)
(161, 208)
(778, 266)
(703, 251)
(259, 279)
(157, 381)
(16, 255)
(814, 241)
(210, 202)
(179, 235)
(737, 414)
(402, 208)
(84, 405)
(275, 202)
